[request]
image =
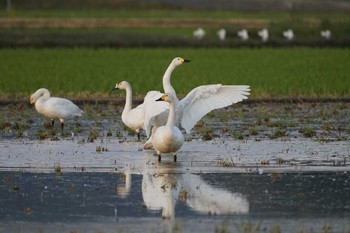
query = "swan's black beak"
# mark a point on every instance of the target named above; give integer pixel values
(115, 88)
(186, 60)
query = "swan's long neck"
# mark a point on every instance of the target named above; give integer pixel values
(45, 95)
(171, 118)
(128, 101)
(168, 88)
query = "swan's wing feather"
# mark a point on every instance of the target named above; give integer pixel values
(203, 99)
(152, 109)
(62, 107)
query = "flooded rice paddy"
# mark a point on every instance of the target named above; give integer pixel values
(258, 167)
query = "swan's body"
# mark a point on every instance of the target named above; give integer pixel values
(243, 34)
(199, 102)
(221, 34)
(327, 34)
(199, 33)
(132, 118)
(289, 34)
(54, 108)
(264, 34)
(168, 138)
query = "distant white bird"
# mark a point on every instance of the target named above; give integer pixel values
(199, 102)
(327, 34)
(243, 34)
(288, 34)
(168, 138)
(221, 34)
(199, 33)
(54, 108)
(134, 117)
(264, 34)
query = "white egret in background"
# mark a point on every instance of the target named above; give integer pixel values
(221, 34)
(199, 33)
(54, 108)
(263, 34)
(243, 34)
(288, 34)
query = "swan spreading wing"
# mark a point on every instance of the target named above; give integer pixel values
(152, 109)
(203, 99)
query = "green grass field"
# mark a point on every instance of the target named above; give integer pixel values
(94, 72)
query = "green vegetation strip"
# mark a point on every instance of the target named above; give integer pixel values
(92, 73)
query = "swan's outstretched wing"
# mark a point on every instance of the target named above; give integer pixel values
(152, 109)
(206, 98)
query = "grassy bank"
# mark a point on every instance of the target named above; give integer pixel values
(93, 72)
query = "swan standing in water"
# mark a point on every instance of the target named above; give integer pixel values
(199, 102)
(168, 138)
(134, 117)
(54, 108)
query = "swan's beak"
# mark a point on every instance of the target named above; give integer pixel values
(31, 101)
(116, 87)
(161, 98)
(184, 60)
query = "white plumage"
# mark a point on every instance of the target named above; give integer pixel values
(199, 102)
(54, 108)
(168, 138)
(221, 34)
(199, 33)
(288, 34)
(326, 34)
(264, 34)
(134, 117)
(243, 34)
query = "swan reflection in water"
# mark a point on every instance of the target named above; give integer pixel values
(163, 188)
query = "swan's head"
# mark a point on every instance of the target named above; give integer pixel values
(40, 92)
(179, 61)
(167, 97)
(121, 86)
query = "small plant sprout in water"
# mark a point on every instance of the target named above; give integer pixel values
(228, 162)
(58, 169)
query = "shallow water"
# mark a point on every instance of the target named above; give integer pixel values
(66, 183)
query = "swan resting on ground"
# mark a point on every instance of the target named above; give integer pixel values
(134, 117)
(54, 108)
(198, 102)
(168, 138)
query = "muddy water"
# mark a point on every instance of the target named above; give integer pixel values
(264, 166)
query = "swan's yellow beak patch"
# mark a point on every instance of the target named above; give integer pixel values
(31, 101)
(163, 97)
(182, 60)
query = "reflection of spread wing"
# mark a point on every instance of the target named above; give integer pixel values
(152, 109)
(203, 99)
(206, 199)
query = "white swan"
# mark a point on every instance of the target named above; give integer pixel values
(243, 34)
(327, 34)
(134, 117)
(288, 34)
(199, 33)
(221, 34)
(54, 108)
(264, 34)
(168, 138)
(199, 102)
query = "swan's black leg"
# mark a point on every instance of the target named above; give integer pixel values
(62, 126)
(159, 158)
(175, 158)
(52, 123)
(138, 136)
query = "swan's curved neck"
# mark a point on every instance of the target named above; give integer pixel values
(45, 96)
(171, 118)
(128, 100)
(168, 88)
